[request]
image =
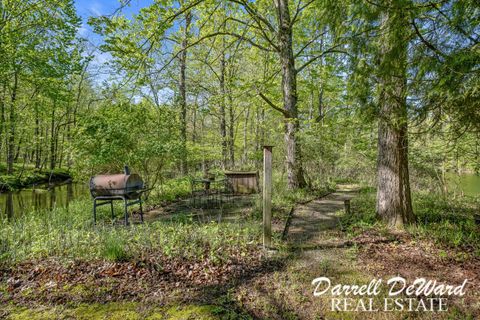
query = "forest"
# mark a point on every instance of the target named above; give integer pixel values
(372, 109)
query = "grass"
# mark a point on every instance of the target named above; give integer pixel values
(69, 233)
(449, 222)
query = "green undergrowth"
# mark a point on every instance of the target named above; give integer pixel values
(170, 190)
(450, 221)
(70, 233)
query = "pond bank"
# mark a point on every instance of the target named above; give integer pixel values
(27, 177)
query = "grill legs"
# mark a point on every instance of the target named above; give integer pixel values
(111, 209)
(104, 200)
(94, 211)
(126, 212)
(141, 210)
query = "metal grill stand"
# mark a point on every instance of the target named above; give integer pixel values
(109, 200)
(126, 187)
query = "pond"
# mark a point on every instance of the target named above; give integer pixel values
(16, 203)
(469, 184)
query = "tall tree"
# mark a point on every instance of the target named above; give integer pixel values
(394, 203)
(183, 90)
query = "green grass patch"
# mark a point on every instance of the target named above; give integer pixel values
(70, 233)
(449, 222)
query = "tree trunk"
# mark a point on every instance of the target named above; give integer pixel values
(11, 135)
(37, 137)
(52, 138)
(183, 92)
(2, 115)
(231, 132)
(393, 194)
(289, 90)
(245, 149)
(223, 125)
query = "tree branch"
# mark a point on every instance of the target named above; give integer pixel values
(299, 10)
(254, 14)
(425, 42)
(313, 59)
(285, 113)
(309, 43)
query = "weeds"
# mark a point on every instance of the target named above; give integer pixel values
(450, 222)
(70, 233)
(114, 248)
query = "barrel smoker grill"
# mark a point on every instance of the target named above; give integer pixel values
(126, 187)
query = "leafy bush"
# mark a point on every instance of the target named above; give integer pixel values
(171, 189)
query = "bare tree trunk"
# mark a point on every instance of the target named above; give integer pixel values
(52, 138)
(295, 178)
(477, 155)
(231, 132)
(2, 115)
(183, 93)
(223, 122)
(245, 153)
(11, 135)
(393, 194)
(194, 120)
(37, 137)
(321, 109)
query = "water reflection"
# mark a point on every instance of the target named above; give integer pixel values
(42, 197)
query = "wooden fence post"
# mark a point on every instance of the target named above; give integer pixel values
(347, 206)
(267, 196)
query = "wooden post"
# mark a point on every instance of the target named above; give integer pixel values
(267, 196)
(347, 206)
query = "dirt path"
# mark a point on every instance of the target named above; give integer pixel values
(317, 247)
(313, 224)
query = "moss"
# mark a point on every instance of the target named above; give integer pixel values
(114, 311)
(32, 314)
(77, 290)
(192, 312)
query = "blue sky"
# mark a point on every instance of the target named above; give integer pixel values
(95, 8)
(89, 8)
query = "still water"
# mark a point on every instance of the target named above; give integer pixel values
(42, 197)
(469, 184)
